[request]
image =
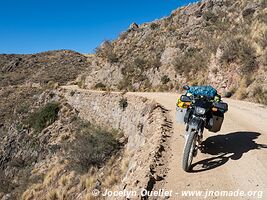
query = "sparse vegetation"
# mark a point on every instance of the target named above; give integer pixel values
(81, 82)
(72, 93)
(164, 79)
(15, 105)
(154, 26)
(48, 65)
(210, 16)
(44, 116)
(240, 51)
(154, 63)
(206, 42)
(100, 86)
(123, 103)
(123, 35)
(106, 51)
(260, 95)
(92, 146)
(133, 73)
(191, 61)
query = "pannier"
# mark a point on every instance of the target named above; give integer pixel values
(180, 114)
(215, 123)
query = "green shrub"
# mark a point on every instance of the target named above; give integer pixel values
(230, 51)
(139, 63)
(248, 58)
(248, 12)
(125, 83)
(72, 93)
(23, 108)
(123, 103)
(100, 86)
(43, 117)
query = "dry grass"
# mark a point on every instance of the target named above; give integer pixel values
(52, 195)
(62, 181)
(81, 81)
(52, 175)
(241, 93)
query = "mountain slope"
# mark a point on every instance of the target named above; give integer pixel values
(217, 42)
(52, 66)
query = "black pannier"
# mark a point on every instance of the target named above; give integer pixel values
(215, 123)
(216, 120)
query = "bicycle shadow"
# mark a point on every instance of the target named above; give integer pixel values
(225, 147)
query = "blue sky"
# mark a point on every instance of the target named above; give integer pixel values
(31, 26)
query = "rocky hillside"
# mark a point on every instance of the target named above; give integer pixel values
(68, 143)
(217, 42)
(61, 144)
(25, 78)
(42, 68)
(58, 144)
(51, 153)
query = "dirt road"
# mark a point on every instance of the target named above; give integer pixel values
(236, 159)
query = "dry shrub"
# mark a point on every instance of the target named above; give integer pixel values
(191, 61)
(52, 195)
(259, 95)
(106, 50)
(133, 72)
(93, 146)
(241, 52)
(81, 82)
(241, 93)
(164, 79)
(100, 86)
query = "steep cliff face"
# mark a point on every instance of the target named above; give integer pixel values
(143, 123)
(217, 42)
